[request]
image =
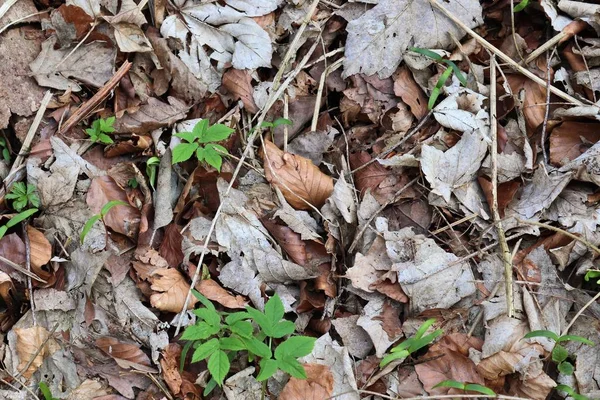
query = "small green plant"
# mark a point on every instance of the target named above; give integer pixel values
(151, 169)
(133, 183)
(412, 344)
(46, 392)
(559, 353)
(571, 392)
(23, 194)
(521, 6)
(452, 67)
(99, 217)
(593, 274)
(100, 128)
(206, 135)
(20, 217)
(219, 337)
(467, 387)
(5, 151)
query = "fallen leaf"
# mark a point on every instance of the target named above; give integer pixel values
(239, 84)
(243, 385)
(411, 93)
(152, 115)
(122, 351)
(130, 38)
(33, 345)
(170, 367)
(571, 139)
(534, 103)
(298, 178)
(381, 321)
(506, 193)
(13, 249)
(213, 291)
(355, 338)
(378, 40)
(91, 64)
(171, 290)
(40, 248)
(70, 23)
(318, 384)
(170, 247)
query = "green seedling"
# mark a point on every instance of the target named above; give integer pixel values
(20, 217)
(205, 135)
(133, 183)
(151, 169)
(593, 274)
(571, 392)
(100, 128)
(99, 217)
(46, 392)
(218, 337)
(467, 387)
(452, 67)
(521, 6)
(23, 194)
(5, 151)
(412, 344)
(559, 353)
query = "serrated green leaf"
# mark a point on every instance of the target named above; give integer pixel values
(451, 384)
(183, 152)
(201, 153)
(296, 346)
(218, 366)
(34, 200)
(236, 316)
(205, 350)
(217, 147)
(213, 158)
(232, 343)
(242, 328)
(283, 328)
(200, 331)
(575, 338)
(210, 316)
(474, 387)
(256, 347)
(205, 302)
(566, 368)
(19, 204)
(542, 333)
(267, 368)
(88, 226)
(261, 320)
(559, 354)
(292, 367)
(274, 310)
(216, 133)
(110, 205)
(104, 138)
(392, 357)
(19, 188)
(200, 128)
(187, 136)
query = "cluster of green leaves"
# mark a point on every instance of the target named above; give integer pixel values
(219, 336)
(412, 344)
(46, 392)
(20, 217)
(467, 387)
(593, 274)
(23, 194)
(99, 217)
(203, 134)
(100, 128)
(452, 67)
(151, 169)
(5, 151)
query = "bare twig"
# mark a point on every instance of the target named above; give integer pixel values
(458, 222)
(547, 109)
(6, 6)
(28, 265)
(22, 270)
(562, 231)
(286, 115)
(327, 71)
(38, 351)
(16, 21)
(589, 303)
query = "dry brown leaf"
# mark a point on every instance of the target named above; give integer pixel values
(239, 84)
(122, 351)
(170, 367)
(171, 288)
(170, 247)
(571, 139)
(33, 344)
(12, 248)
(40, 247)
(153, 115)
(297, 178)
(506, 192)
(410, 92)
(213, 291)
(534, 104)
(123, 219)
(318, 384)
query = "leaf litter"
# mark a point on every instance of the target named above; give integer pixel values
(385, 199)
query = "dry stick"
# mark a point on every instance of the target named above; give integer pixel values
(589, 303)
(28, 265)
(328, 70)
(547, 107)
(85, 109)
(443, 396)
(452, 225)
(380, 209)
(16, 388)
(504, 57)
(272, 99)
(555, 229)
(286, 115)
(22, 270)
(291, 51)
(494, 152)
(16, 21)
(6, 6)
(546, 46)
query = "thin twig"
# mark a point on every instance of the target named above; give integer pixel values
(547, 109)
(38, 351)
(458, 222)
(546, 46)
(6, 6)
(22, 270)
(327, 71)
(589, 303)
(496, 214)
(555, 229)
(504, 57)
(78, 45)
(16, 21)
(16, 388)
(286, 115)
(28, 265)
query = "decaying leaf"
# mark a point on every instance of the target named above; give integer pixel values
(317, 385)
(33, 346)
(298, 178)
(155, 114)
(213, 291)
(171, 289)
(122, 351)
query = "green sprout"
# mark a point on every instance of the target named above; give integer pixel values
(203, 134)
(22, 216)
(100, 128)
(5, 151)
(23, 194)
(412, 344)
(467, 387)
(99, 217)
(151, 168)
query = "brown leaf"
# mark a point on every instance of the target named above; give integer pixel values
(122, 219)
(213, 291)
(12, 248)
(534, 107)
(239, 84)
(122, 351)
(318, 384)
(506, 192)
(136, 144)
(171, 288)
(153, 115)
(170, 367)
(571, 139)
(410, 92)
(304, 181)
(71, 23)
(40, 247)
(170, 247)
(390, 319)
(33, 344)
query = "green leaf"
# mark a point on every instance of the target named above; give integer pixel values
(88, 226)
(104, 138)
(559, 354)
(423, 328)
(110, 205)
(404, 345)
(267, 368)
(296, 346)
(281, 121)
(542, 333)
(6, 154)
(232, 343)
(19, 188)
(200, 128)
(184, 351)
(218, 366)
(274, 310)
(205, 302)
(200, 331)
(266, 124)
(451, 384)
(236, 316)
(575, 338)
(187, 136)
(205, 350)
(427, 53)
(213, 158)
(474, 387)
(201, 153)
(424, 341)
(257, 347)
(209, 387)
(283, 328)
(217, 147)
(242, 328)
(20, 204)
(566, 368)
(565, 388)
(437, 90)
(457, 72)
(34, 200)
(153, 161)
(292, 367)
(210, 316)
(22, 216)
(216, 133)
(262, 320)
(3, 230)
(521, 6)
(392, 357)
(183, 152)
(46, 391)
